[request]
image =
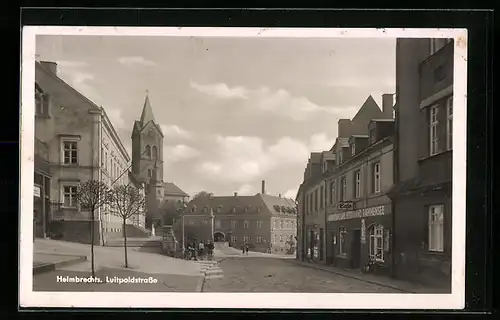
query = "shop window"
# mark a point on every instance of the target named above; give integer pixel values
(342, 240)
(377, 242)
(436, 228)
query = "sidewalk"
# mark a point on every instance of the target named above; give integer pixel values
(401, 285)
(113, 257)
(44, 262)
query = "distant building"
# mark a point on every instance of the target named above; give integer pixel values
(321, 180)
(263, 221)
(422, 194)
(147, 166)
(75, 142)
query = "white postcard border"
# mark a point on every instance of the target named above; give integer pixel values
(30, 298)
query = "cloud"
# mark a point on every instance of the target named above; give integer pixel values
(243, 158)
(136, 61)
(291, 194)
(71, 72)
(179, 152)
(246, 190)
(174, 131)
(221, 90)
(116, 118)
(71, 64)
(320, 142)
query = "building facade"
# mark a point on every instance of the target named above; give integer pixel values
(359, 211)
(423, 160)
(321, 169)
(264, 222)
(80, 144)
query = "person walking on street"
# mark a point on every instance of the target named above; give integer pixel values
(201, 248)
(243, 248)
(246, 249)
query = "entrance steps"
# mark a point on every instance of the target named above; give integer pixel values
(134, 242)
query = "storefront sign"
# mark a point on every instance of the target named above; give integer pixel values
(36, 191)
(363, 231)
(345, 205)
(361, 213)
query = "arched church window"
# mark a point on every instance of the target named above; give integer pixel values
(155, 152)
(148, 151)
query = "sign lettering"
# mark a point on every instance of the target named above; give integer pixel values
(360, 213)
(36, 191)
(345, 205)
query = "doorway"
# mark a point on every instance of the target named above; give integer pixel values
(219, 237)
(355, 248)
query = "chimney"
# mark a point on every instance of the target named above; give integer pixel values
(263, 187)
(236, 194)
(52, 66)
(344, 128)
(387, 104)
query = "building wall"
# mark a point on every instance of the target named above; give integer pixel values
(409, 54)
(233, 227)
(283, 233)
(315, 219)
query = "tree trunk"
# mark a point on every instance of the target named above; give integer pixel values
(92, 243)
(125, 241)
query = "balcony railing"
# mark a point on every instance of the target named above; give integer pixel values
(436, 72)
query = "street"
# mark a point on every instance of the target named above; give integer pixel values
(254, 274)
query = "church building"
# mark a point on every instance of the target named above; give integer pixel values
(147, 165)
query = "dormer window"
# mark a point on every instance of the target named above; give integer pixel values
(373, 136)
(340, 157)
(353, 149)
(325, 166)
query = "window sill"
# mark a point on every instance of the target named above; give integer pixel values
(71, 165)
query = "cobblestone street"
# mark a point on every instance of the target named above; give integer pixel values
(279, 275)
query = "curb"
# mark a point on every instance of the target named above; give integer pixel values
(353, 277)
(47, 267)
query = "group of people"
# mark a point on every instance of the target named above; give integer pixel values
(244, 248)
(200, 249)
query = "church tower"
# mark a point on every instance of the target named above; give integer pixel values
(147, 159)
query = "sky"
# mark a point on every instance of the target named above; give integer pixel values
(234, 111)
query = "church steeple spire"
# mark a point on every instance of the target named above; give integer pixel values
(147, 111)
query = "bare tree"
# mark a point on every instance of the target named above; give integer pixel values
(92, 195)
(129, 202)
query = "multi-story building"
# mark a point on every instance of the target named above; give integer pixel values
(81, 144)
(359, 211)
(423, 160)
(264, 222)
(321, 169)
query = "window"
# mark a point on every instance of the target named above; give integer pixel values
(234, 238)
(316, 200)
(376, 177)
(259, 224)
(433, 130)
(325, 166)
(311, 202)
(357, 184)
(321, 195)
(246, 224)
(150, 173)
(274, 238)
(377, 242)
(340, 156)
(333, 191)
(148, 151)
(70, 152)
(373, 135)
(353, 149)
(343, 189)
(436, 230)
(246, 239)
(259, 239)
(192, 221)
(69, 196)
(233, 224)
(204, 221)
(281, 238)
(342, 240)
(217, 223)
(449, 123)
(155, 152)
(41, 102)
(281, 224)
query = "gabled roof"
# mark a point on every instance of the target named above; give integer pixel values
(369, 103)
(239, 204)
(171, 189)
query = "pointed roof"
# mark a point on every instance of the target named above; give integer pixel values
(369, 104)
(147, 112)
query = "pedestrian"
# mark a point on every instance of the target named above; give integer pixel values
(246, 248)
(243, 248)
(201, 248)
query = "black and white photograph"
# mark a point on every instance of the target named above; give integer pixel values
(300, 168)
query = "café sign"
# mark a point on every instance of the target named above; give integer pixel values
(360, 213)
